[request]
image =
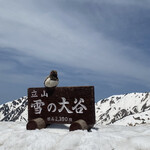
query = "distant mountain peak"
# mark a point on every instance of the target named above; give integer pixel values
(119, 107)
(13, 111)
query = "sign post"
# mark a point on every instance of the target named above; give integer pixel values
(62, 105)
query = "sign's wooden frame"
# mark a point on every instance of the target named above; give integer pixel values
(62, 105)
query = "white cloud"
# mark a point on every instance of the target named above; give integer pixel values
(55, 36)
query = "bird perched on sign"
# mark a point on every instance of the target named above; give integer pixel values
(52, 80)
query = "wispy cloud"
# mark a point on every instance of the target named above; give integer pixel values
(101, 37)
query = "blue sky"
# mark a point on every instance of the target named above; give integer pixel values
(104, 43)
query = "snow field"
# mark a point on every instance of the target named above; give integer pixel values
(14, 136)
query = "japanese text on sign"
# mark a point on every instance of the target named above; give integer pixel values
(79, 107)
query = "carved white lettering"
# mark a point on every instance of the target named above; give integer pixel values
(64, 103)
(59, 119)
(51, 107)
(79, 107)
(34, 94)
(37, 105)
(44, 94)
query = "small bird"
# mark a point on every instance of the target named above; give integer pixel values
(52, 80)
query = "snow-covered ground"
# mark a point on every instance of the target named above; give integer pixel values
(14, 136)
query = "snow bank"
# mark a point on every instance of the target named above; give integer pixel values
(14, 136)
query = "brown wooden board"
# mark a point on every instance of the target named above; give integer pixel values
(62, 105)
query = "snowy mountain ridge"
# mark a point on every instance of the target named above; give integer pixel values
(128, 109)
(15, 110)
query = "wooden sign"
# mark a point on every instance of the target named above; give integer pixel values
(62, 105)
